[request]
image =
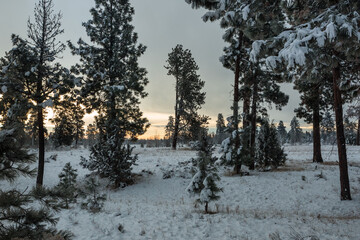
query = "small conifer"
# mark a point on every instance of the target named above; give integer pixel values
(66, 188)
(94, 200)
(204, 181)
(269, 154)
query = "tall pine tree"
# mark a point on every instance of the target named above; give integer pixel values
(188, 86)
(30, 68)
(113, 85)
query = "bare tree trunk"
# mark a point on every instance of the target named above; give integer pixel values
(253, 124)
(246, 111)
(206, 207)
(344, 177)
(237, 166)
(358, 133)
(316, 129)
(41, 164)
(177, 117)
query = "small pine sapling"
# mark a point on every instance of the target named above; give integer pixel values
(270, 154)
(94, 200)
(204, 181)
(113, 160)
(66, 189)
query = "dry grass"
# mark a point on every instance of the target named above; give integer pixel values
(331, 163)
(289, 169)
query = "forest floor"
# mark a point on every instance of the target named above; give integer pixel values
(298, 201)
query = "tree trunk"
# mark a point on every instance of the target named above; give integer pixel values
(206, 207)
(41, 164)
(344, 177)
(253, 124)
(177, 117)
(246, 111)
(316, 129)
(237, 161)
(358, 133)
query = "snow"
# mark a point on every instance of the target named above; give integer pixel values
(293, 198)
(4, 89)
(245, 12)
(331, 31)
(4, 69)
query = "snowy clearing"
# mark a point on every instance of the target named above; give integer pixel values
(302, 197)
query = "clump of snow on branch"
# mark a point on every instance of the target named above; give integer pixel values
(301, 41)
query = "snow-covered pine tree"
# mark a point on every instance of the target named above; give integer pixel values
(282, 133)
(243, 20)
(269, 151)
(113, 160)
(295, 134)
(29, 68)
(113, 86)
(327, 34)
(66, 187)
(204, 182)
(14, 158)
(188, 86)
(19, 219)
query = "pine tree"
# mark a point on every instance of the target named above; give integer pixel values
(18, 218)
(188, 86)
(14, 158)
(282, 133)
(350, 131)
(220, 124)
(113, 86)
(113, 160)
(94, 200)
(326, 34)
(67, 185)
(354, 112)
(91, 133)
(195, 126)
(269, 151)
(328, 128)
(68, 122)
(29, 69)
(169, 128)
(204, 181)
(220, 128)
(295, 133)
(243, 21)
(314, 100)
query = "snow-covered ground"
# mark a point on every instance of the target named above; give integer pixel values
(293, 199)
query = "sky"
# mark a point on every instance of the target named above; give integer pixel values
(161, 25)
